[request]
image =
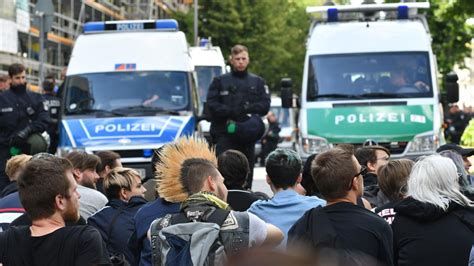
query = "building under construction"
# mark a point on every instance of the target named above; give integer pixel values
(19, 32)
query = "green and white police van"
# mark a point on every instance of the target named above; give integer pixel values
(370, 77)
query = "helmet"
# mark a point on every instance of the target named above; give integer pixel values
(37, 144)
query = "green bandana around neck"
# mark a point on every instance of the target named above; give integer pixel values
(205, 197)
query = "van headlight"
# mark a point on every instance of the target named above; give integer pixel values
(423, 143)
(314, 145)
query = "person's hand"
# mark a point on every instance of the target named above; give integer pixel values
(237, 112)
(151, 100)
(421, 85)
(21, 136)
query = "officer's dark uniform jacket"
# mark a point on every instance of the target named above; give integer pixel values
(232, 96)
(54, 104)
(19, 110)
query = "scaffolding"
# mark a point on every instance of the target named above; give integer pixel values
(69, 17)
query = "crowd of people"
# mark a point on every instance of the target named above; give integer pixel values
(344, 206)
(416, 213)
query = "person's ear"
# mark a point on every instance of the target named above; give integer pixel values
(355, 184)
(123, 194)
(211, 184)
(107, 169)
(371, 166)
(60, 202)
(269, 181)
(77, 174)
(299, 179)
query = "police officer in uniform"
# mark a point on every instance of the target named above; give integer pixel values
(233, 98)
(53, 103)
(22, 114)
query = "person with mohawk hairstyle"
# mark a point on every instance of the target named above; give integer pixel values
(200, 178)
(170, 190)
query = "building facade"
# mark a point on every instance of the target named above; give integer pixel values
(19, 34)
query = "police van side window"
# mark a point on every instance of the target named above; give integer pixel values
(312, 83)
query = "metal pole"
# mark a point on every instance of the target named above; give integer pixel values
(150, 9)
(196, 23)
(42, 32)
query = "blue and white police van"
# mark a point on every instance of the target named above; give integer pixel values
(129, 88)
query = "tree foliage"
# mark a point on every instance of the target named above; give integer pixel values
(275, 32)
(451, 35)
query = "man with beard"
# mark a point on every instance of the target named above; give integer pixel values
(85, 173)
(22, 115)
(49, 195)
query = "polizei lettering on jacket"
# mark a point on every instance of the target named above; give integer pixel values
(379, 118)
(129, 127)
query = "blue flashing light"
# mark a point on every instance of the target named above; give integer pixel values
(203, 42)
(166, 24)
(402, 12)
(332, 15)
(147, 153)
(94, 26)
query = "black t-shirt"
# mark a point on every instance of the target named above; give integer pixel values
(345, 226)
(74, 245)
(240, 200)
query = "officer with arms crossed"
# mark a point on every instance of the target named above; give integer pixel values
(22, 114)
(235, 100)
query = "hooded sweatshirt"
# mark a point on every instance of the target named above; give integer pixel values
(425, 234)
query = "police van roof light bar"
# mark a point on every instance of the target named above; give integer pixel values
(131, 25)
(333, 11)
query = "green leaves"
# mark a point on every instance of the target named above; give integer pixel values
(451, 35)
(273, 30)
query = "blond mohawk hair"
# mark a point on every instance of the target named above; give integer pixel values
(168, 168)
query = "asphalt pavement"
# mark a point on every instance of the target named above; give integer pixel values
(259, 181)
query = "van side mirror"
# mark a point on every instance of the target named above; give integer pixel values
(286, 93)
(452, 87)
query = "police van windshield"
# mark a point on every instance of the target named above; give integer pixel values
(205, 75)
(127, 92)
(369, 76)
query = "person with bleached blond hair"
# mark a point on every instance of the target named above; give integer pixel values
(13, 169)
(434, 225)
(123, 187)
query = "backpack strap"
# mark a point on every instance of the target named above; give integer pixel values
(155, 229)
(218, 216)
